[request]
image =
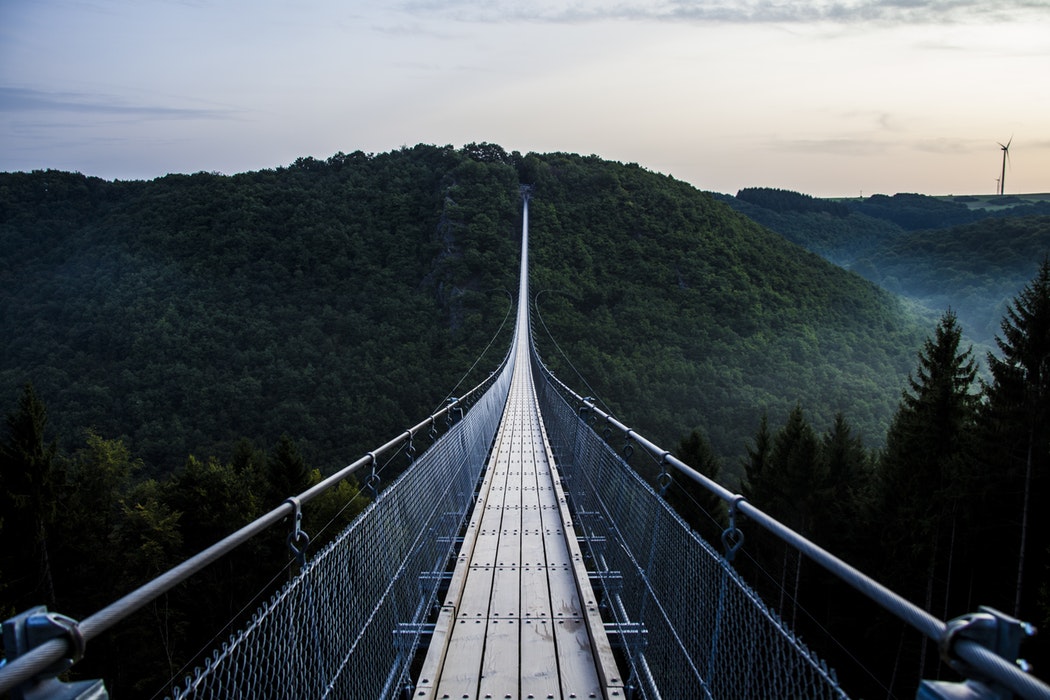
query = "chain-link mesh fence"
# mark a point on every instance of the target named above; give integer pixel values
(690, 625)
(349, 624)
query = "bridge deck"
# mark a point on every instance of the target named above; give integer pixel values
(520, 619)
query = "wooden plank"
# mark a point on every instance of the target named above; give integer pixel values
(565, 599)
(500, 665)
(601, 655)
(459, 675)
(505, 599)
(539, 659)
(533, 552)
(535, 592)
(430, 672)
(477, 593)
(579, 678)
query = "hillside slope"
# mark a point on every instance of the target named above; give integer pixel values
(681, 313)
(338, 301)
(968, 253)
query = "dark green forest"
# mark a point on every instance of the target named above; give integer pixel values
(182, 354)
(967, 253)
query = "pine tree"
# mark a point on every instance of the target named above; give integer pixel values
(287, 472)
(699, 506)
(845, 512)
(796, 474)
(926, 464)
(1016, 426)
(756, 463)
(27, 500)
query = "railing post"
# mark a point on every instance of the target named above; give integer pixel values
(28, 630)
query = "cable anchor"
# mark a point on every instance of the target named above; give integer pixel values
(35, 627)
(628, 446)
(298, 540)
(992, 629)
(732, 536)
(372, 483)
(410, 448)
(452, 404)
(664, 478)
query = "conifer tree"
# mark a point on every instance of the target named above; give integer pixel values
(796, 473)
(27, 501)
(927, 461)
(696, 452)
(1016, 423)
(797, 476)
(755, 465)
(287, 472)
(844, 514)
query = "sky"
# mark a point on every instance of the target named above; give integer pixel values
(827, 97)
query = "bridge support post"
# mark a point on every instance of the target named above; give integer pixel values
(994, 630)
(28, 630)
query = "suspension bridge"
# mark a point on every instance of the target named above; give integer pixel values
(518, 557)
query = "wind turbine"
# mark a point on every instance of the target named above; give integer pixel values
(1006, 154)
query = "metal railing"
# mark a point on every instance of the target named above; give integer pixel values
(68, 638)
(972, 644)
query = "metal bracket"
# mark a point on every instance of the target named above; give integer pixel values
(628, 446)
(627, 635)
(732, 536)
(587, 414)
(34, 627)
(664, 478)
(410, 448)
(990, 628)
(409, 635)
(453, 405)
(298, 540)
(372, 485)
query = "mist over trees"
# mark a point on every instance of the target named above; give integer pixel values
(968, 253)
(185, 353)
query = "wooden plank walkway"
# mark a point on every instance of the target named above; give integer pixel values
(520, 619)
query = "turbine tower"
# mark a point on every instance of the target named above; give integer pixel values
(1006, 154)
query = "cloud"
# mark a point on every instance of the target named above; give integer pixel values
(950, 146)
(839, 146)
(734, 11)
(21, 100)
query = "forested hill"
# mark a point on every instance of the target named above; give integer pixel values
(337, 302)
(340, 301)
(969, 253)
